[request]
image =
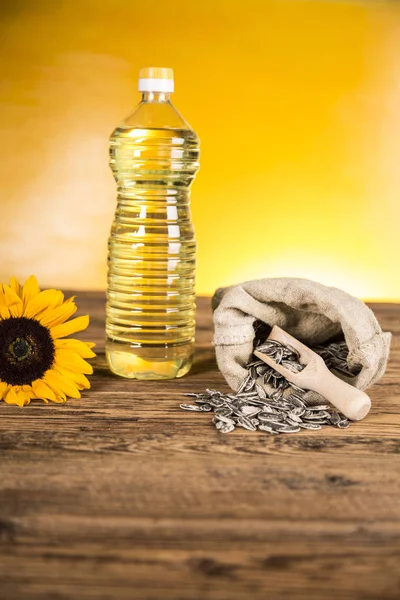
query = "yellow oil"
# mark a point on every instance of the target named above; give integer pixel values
(151, 263)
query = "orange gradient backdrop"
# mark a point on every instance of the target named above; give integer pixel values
(296, 105)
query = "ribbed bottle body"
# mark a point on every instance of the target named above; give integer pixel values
(152, 252)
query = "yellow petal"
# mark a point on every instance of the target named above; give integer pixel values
(51, 384)
(16, 286)
(42, 301)
(41, 390)
(28, 389)
(81, 348)
(12, 396)
(4, 311)
(60, 399)
(78, 378)
(12, 301)
(30, 289)
(77, 324)
(56, 316)
(58, 384)
(68, 359)
(23, 398)
(3, 389)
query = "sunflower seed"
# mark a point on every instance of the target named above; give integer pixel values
(251, 411)
(226, 420)
(298, 411)
(263, 427)
(335, 418)
(224, 427)
(247, 395)
(281, 407)
(294, 417)
(312, 417)
(235, 409)
(192, 407)
(310, 426)
(223, 412)
(297, 401)
(323, 414)
(242, 385)
(246, 423)
(267, 418)
(216, 403)
(296, 388)
(292, 422)
(284, 427)
(289, 429)
(270, 411)
(257, 402)
(261, 392)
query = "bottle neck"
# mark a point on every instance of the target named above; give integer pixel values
(156, 97)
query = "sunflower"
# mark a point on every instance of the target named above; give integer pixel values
(35, 360)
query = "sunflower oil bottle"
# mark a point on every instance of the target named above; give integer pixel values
(154, 157)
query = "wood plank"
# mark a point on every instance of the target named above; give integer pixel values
(123, 495)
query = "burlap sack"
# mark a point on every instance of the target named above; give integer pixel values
(311, 312)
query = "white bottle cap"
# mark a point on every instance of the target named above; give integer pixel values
(156, 79)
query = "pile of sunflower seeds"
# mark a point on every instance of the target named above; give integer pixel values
(285, 408)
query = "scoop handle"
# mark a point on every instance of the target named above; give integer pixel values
(353, 403)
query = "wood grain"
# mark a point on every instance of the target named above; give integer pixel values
(123, 495)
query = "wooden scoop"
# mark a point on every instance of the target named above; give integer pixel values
(350, 401)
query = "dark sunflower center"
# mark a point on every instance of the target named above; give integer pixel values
(20, 349)
(26, 350)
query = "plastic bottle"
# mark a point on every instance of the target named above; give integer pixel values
(154, 157)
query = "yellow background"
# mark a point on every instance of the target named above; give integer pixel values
(296, 105)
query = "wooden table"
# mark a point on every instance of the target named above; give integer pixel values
(123, 495)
